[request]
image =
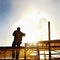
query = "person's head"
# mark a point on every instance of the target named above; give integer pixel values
(18, 28)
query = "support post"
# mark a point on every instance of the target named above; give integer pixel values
(44, 56)
(25, 52)
(38, 52)
(49, 40)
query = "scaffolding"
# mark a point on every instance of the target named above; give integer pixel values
(42, 50)
(39, 51)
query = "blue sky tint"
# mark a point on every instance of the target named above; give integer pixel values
(11, 11)
(5, 10)
(5, 7)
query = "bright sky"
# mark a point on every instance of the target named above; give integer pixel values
(32, 16)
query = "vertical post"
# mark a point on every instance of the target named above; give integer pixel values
(44, 56)
(25, 52)
(38, 52)
(49, 40)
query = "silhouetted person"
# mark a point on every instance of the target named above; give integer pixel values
(17, 41)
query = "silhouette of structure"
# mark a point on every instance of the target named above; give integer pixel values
(16, 43)
(50, 49)
(49, 39)
(33, 52)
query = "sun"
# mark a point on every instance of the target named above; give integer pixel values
(34, 26)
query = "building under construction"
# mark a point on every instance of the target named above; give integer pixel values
(39, 51)
(42, 50)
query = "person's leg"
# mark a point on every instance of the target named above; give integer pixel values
(17, 52)
(13, 51)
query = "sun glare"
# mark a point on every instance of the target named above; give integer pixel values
(43, 15)
(35, 27)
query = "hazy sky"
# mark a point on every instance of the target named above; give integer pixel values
(12, 11)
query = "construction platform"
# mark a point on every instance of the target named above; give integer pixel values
(38, 51)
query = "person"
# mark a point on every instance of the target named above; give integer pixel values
(17, 41)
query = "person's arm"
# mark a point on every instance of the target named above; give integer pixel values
(14, 33)
(23, 33)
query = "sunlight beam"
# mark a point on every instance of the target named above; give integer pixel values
(35, 27)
